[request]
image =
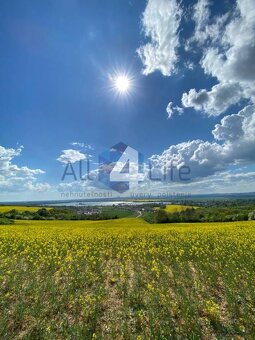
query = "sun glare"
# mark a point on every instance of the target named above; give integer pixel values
(122, 84)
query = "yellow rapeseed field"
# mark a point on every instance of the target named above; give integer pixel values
(172, 208)
(20, 208)
(127, 279)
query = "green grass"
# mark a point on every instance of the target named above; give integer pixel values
(112, 212)
(127, 279)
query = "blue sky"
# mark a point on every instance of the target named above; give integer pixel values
(57, 62)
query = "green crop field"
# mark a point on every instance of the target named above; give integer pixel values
(127, 279)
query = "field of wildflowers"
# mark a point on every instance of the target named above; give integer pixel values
(127, 279)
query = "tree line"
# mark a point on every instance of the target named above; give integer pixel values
(204, 214)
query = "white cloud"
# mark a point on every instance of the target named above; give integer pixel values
(161, 20)
(224, 182)
(238, 131)
(207, 29)
(227, 43)
(233, 58)
(189, 65)
(171, 109)
(8, 169)
(39, 187)
(201, 17)
(71, 156)
(6, 156)
(213, 102)
(14, 178)
(205, 158)
(82, 145)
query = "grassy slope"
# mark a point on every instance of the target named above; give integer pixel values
(126, 279)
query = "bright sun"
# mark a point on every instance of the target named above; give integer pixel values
(122, 84)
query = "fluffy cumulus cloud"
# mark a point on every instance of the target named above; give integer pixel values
(234, 59)
(201, 157)
(161, 20)
(234, 143)
(238, 131)
(14, 178)
(226, 43)
(216, 101)
(71, 156)
(229, 56)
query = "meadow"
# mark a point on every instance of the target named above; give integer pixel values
(127, 279)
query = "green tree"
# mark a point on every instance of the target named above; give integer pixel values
(161, 216)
